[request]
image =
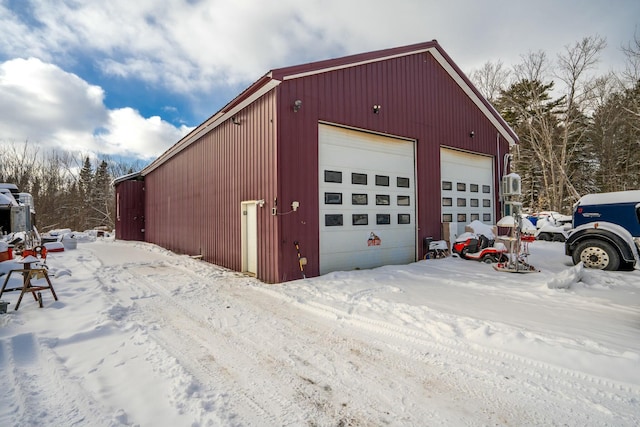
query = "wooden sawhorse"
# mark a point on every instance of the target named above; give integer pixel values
(27, 274)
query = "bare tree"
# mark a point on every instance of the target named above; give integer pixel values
(632, 53)
(491, 79)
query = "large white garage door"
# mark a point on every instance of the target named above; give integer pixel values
(367, 200)
(467, 188)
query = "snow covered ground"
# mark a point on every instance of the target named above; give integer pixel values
(143, 337)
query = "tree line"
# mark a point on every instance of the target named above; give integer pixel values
(69, 190)
(579, 132)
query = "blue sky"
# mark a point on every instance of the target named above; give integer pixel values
(130, 78)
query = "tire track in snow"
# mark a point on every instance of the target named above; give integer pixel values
(36, 391)
(319, 392)
(285, 386)
(607, 396)
(447, 369)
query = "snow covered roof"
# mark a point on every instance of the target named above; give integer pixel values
(630, 196)
(6, 200)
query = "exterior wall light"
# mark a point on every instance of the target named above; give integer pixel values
(297, 105)
(376, 108)
(235, 120)
(472, 134)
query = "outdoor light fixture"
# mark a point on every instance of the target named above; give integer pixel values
(297, 105)
(376, 109)
(472, 134)
(235, 120)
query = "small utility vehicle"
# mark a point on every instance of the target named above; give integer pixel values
(606, 231)
(479, 247)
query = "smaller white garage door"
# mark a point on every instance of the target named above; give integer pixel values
(367, 200)
(467, 188)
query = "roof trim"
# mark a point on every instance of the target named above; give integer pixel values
(438, 54)
(126, 177)
(487, 109)
(351, 64)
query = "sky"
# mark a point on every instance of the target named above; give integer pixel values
(129, 78)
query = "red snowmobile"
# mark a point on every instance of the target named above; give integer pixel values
(479, 247)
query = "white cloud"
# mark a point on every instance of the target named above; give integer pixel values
(197, 45)
(200, 48)
(47, 106)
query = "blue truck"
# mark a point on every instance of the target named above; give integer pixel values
(606, 231)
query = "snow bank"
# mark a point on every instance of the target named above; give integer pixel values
(565, 279)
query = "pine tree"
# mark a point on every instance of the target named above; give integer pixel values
(85, 203)
(528, 107)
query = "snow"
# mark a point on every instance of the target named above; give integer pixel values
(630, 196)
(140, 336)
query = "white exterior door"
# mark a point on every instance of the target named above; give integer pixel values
(249, 237)
(367, 200)
(467, 188)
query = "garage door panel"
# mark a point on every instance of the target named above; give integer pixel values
(467, 188)
(382, 196)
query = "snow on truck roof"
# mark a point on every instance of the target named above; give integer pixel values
(610, 198)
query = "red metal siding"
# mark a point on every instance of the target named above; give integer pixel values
(194, 199)
(418, 100)
(130, 210)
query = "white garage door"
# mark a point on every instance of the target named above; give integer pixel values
(367, 200)
(467, 188)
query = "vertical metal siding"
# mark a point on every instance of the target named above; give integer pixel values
(418, 100)
(194, 199)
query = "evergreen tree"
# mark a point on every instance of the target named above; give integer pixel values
(530, 110)
(85, 185)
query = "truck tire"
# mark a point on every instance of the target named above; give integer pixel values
(597, 254)
(557, 237)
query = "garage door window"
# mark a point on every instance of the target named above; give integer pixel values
(333, 198)
(383, 219)
(402, 182)
(404, 200)
(383, 199)
(360, 219)
(333, 220)
(382, 180)
(359, 199)
(359, 178)
(404, 219)
(447, 185)
(332, 176)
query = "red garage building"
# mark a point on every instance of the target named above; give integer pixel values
(357, 159)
